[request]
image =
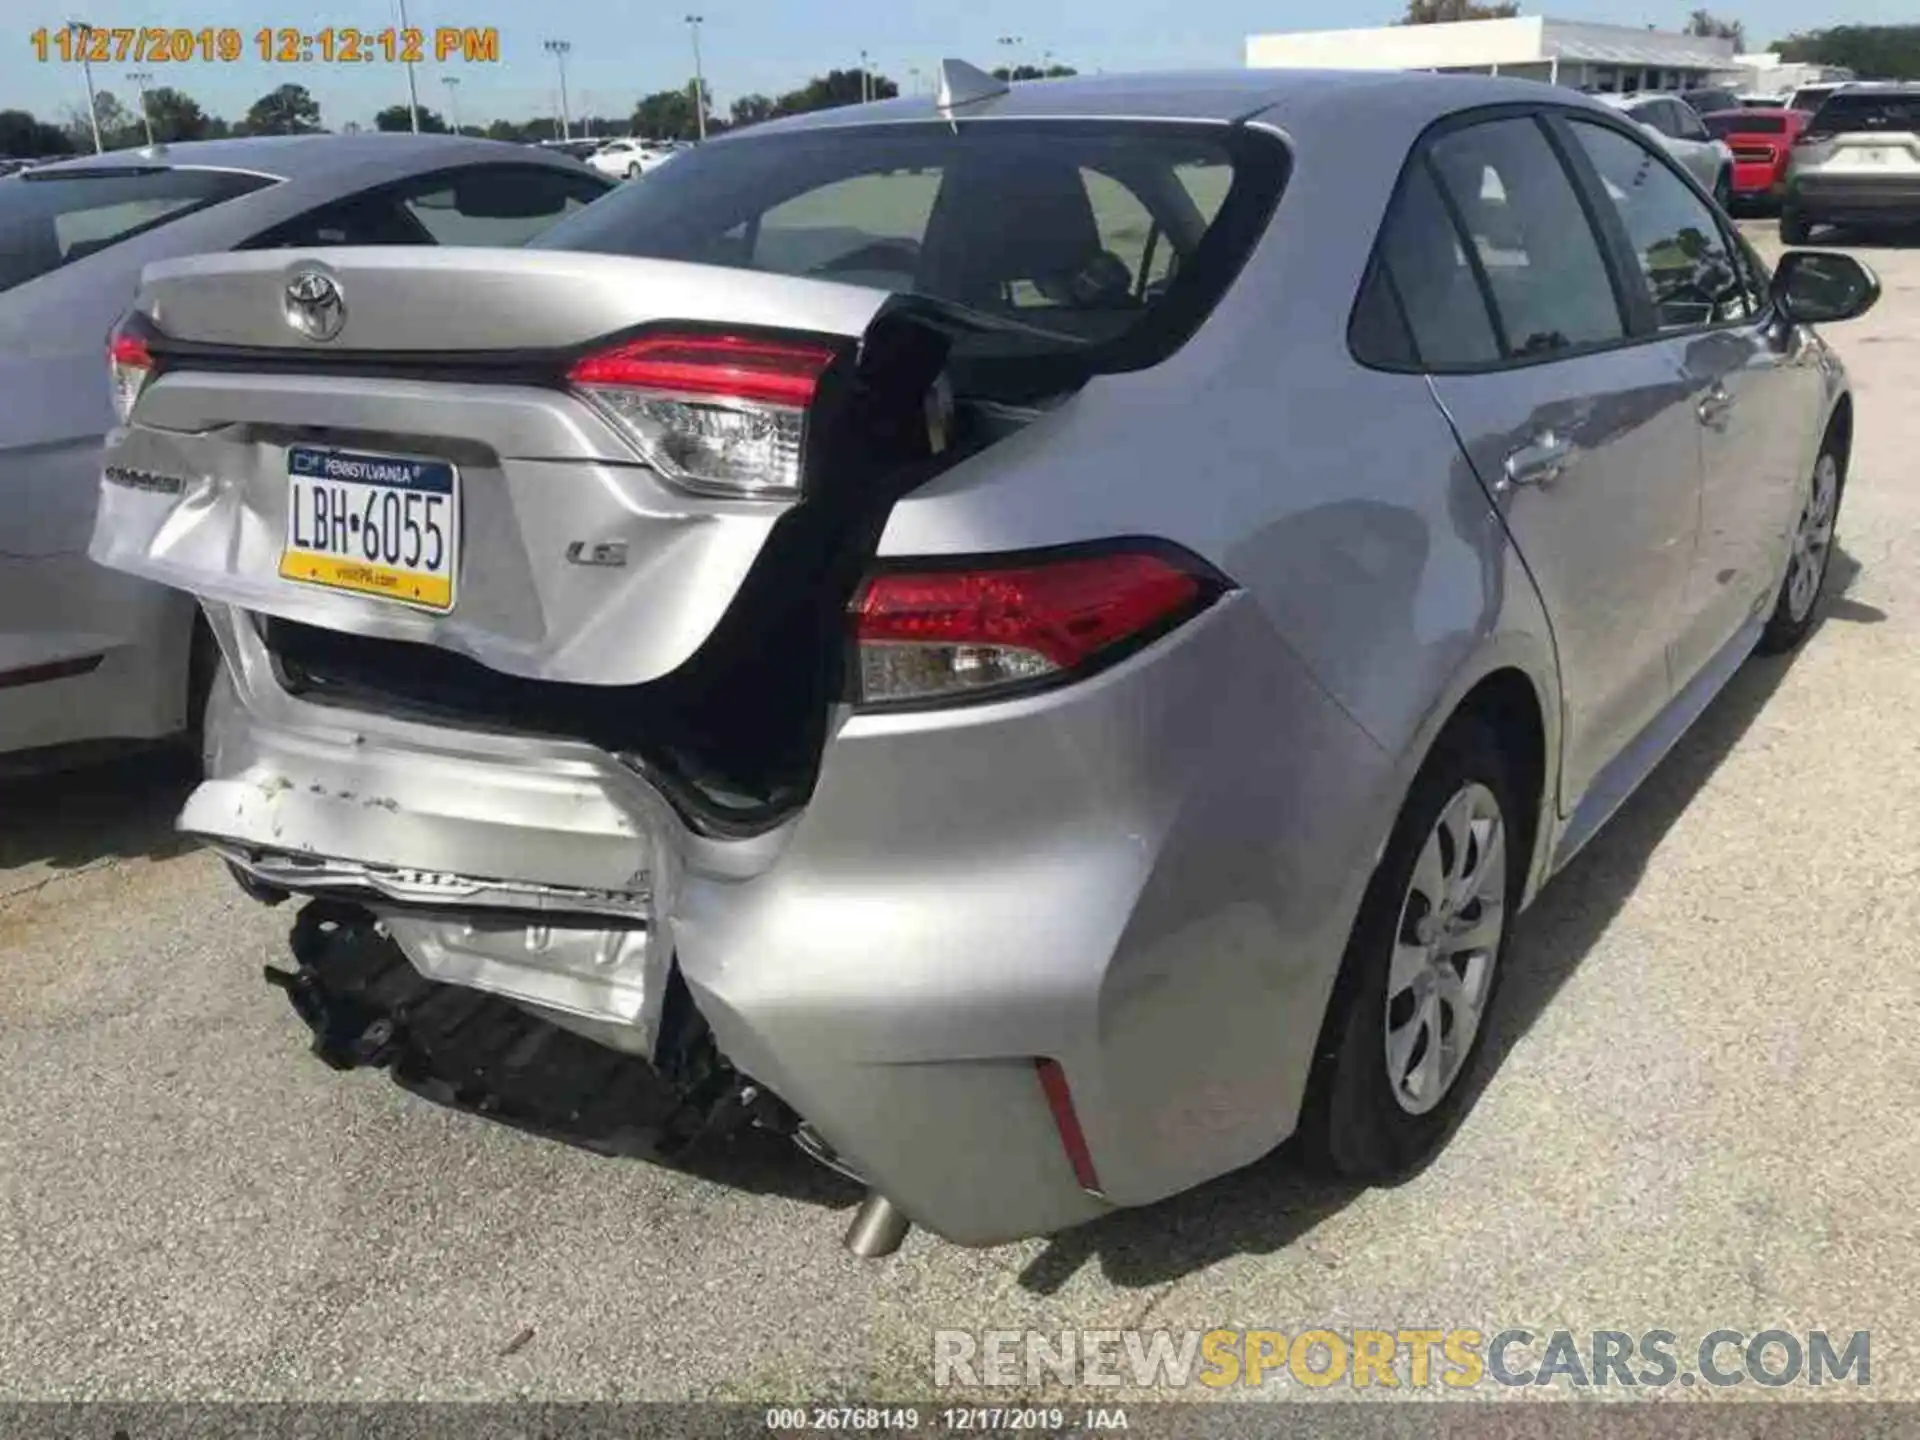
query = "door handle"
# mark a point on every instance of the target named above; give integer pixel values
(1541, 461)
(1715, 407)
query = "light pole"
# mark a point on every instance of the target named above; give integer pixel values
(558, 49)
(694, 22)
(413, 95)
(1013, 44)
(452, 82)
(140, 79)
(913, 74)
(866, 78)
(86, 65)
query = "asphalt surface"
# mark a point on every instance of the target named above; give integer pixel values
(1703, 1114)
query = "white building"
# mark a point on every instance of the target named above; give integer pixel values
(1765, 73)
(1594, 57)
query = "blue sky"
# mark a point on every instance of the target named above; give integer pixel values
(621, 52)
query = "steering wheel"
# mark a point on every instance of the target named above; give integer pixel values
(896, 255)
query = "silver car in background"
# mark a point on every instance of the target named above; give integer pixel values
(1857, 163)
(1677, 125)
(1036, 638)
(85, 654)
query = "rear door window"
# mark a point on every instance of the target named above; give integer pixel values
(1648, 113)
(50, 218)
(1683, 254)
(1422, 262)
(1686, 122)
(1541, 261)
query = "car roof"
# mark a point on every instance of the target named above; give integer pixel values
(1872, 87)
(319, 158)
(1286, 98)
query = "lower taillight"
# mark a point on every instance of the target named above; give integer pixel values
(951, 633)
(1066, 1121)
(129, 367)
(719, 413)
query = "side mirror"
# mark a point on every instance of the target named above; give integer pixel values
(1814, 287)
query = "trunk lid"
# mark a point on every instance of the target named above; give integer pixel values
(435, 302)
(320, 422)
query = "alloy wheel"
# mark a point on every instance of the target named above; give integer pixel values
(1452, 919)
(1813, 539)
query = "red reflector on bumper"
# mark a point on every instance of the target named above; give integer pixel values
(1053, 1080)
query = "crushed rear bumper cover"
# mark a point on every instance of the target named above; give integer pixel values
(529, 869)
(965, 894)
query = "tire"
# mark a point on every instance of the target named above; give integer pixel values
(633, 171)
(1796, 610)
(1723, 191)
(1795, 229)
(1357, 1125)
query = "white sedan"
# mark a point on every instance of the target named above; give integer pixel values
(627, 158)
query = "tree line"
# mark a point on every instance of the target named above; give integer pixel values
(175, 116)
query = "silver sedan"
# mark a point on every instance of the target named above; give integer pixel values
(86, 655)
(1035, 638)
(1679, 129)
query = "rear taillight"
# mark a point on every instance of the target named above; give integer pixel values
(129, 367)
(720, 413)
(949, 634)
(1073, 1140)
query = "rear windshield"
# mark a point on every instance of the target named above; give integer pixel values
(1067, 231)
(1744, 122)
(1851, 110)
(1704, 101)
(51, 218)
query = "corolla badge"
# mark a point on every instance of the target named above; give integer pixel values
(313, 305)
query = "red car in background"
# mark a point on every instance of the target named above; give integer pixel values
(1761, 141)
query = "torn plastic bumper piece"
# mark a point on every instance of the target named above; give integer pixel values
(367, 1005)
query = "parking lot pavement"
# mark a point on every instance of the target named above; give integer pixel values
(1703, 1114)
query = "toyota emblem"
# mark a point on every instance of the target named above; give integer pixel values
(313, 304)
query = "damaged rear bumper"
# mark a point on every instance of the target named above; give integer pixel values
(1056, 878)
(531, 869)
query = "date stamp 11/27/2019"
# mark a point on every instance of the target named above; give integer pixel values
(273, 45)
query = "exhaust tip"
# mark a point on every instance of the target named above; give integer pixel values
(878, 1228)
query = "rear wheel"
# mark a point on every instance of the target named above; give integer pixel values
(1408, 1025)
(633, 171)
(1794, 227)
(1723, 190)
(1798, 606)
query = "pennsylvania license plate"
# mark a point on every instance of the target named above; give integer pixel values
(385, 525)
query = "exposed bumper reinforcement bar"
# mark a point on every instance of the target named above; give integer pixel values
(428, 889)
